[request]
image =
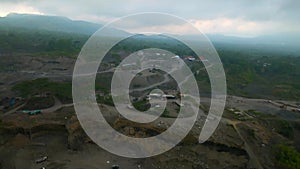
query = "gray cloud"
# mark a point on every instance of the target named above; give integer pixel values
(281, 12)
(248, 9)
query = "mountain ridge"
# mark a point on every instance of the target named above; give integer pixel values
(49, 23)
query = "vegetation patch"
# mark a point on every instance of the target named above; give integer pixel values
(62, 90)
(142, 105)
(284, 128)
(287, 157)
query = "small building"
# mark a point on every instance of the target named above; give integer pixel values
(175, 57)
(203, 59)
(129, 66)
(154, 95)
(190, 58)
(168, 96)
(238, 113)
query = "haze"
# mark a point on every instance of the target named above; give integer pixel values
(245, 18)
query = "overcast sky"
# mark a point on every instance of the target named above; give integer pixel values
(230, 17)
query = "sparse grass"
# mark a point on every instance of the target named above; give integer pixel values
(231, 126)
(39, 103)
(251, 133)
(284, 128)
(166, 114)
(204, 108)
(107, 99)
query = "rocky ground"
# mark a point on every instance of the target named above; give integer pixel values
(237, 143)
(245, 137)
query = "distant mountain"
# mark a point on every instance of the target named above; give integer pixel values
(280, 42)
(285, 38)
(284, 43)
(50, 23)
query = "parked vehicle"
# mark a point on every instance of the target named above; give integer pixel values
(32, 112)
(40, 160)
(115, 167)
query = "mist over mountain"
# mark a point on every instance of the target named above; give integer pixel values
(284, 43)
(281, 42)
(284, 38)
